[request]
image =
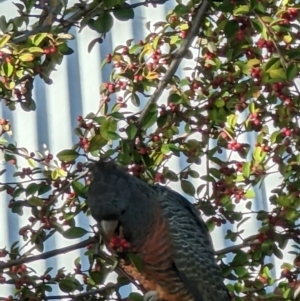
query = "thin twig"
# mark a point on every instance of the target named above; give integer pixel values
(52, 253)
(179, 55)
(249, 241)
(80, 13)
(85, 294)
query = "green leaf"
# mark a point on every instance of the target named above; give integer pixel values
(102, 24)
(32, 188)
(98, 276)
(246, 169)
(117, 115)
(149, 119)
(58, 173)
(165, 149)
(44, 188)
(277, 74)
(79, 188)
(135, 100)
(135, 49)
(274, 136)
(109, 124)
(277, 253)
(34, 201)
(181, 10)
(7, 69)
(124, 14)
(240, 259)
(4, 39)
(231, 28)
(75, 232)
(232, 120)
(171, 175)
(219, 103)
(241, 10)
(67, 285)
(194, 174)
(135, 297)
(26, 57)
(113, 135)
(38, 38)
(258, 154)
(252, 107)
(67, 155)
(188, 187)
(137, 261)
(241, 271)
(175, 98)
(250, 194)
(131, 131)
(97, 143)
(292, 71)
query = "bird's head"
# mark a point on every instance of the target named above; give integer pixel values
(108, 195)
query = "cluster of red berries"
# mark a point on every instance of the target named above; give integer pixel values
(217, 82)
(45, 277)
(156, 56)
(289, 275)
(173, 19)
(49, 50)
(276, 221)
(136, 169)
(3, 121)
(119, 244)
(172, 107)
(250, 54)
(159, 178)
(48, 158)
(268, 44)
(144, 150)
(108, 58)
(25, 172)
(234, 145)
(84, 143)
(255, 72)
(83, 124)
(227, 171)
(77, 269)
(138, 78)
(219, 221)
(255, 118)
(279, 89)
(289, 16)
(62, 184)
(183, 34)
(286, 132)
(242, 104)
(111, 87)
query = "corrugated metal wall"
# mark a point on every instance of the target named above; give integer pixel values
(75, 91)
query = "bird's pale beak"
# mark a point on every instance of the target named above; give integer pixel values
(107, 228)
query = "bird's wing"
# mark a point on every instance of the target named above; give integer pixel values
(193, 250)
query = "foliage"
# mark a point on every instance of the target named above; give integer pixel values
(245, 62)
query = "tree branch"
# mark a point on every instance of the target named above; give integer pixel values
(84, 294)
(119, 270)
(52, 253)
(83, 10)
(193, 32)
(249, 241)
